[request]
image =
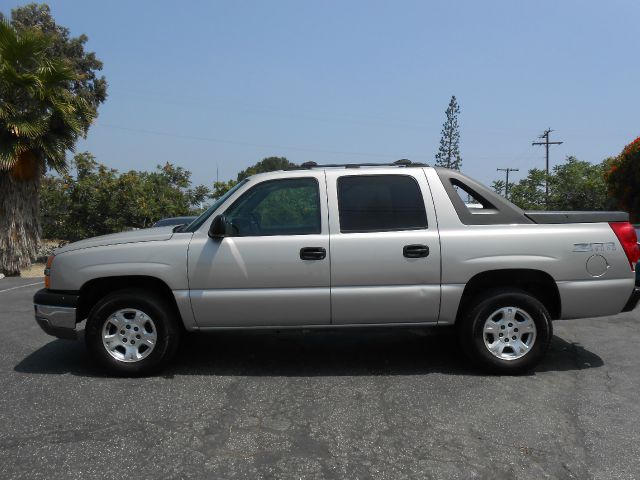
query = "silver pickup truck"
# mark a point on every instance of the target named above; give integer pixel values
(340, 246)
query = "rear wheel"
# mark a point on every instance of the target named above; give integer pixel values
(132, 332)
(506, 331)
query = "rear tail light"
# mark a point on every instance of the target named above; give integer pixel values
(628, 239)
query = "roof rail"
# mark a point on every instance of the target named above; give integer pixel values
(398, 163)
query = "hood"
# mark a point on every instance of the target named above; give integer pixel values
(144, 235)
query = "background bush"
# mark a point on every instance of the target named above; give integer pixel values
(97, 200)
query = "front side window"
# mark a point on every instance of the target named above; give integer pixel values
(277, 207)
(380, 203)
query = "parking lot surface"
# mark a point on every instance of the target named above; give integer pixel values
(346, 404)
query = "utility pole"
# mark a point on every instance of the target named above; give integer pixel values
(506, 185)
(546, 143)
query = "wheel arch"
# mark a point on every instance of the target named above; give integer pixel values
(95, 289)
(535, 282)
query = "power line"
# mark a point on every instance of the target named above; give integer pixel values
(506, 185)
(278, 111)
(546, 143)
(246, 144)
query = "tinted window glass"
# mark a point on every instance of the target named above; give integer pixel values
(378, 203)
(277, 207)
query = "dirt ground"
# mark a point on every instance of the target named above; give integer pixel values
(35, 271)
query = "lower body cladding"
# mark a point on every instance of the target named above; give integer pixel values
(315, 307)
(263, 307)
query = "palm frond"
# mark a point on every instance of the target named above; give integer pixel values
(39, 109)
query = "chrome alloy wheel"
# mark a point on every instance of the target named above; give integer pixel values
(509, 333)
(129, 335)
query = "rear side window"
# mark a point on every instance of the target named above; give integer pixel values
(380, 203)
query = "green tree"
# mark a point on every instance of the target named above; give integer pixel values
(41, 117)
(81, 205)
(97, 200)
(448, 155)
(86, 84)
(55, 207)
(623, 180)
(578, 185)
(269, 164)
(498, 186)
(573, 185)
(528, 193)
(220, 188)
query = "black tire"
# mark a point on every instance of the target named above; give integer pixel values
(165, 325)
(472, 336)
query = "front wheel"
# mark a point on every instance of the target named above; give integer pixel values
(506, 331)
(132, 333)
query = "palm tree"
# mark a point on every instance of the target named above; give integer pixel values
(40, 119)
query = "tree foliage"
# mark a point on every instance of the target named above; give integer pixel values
(498, 186)
(528, 193)
(87, 84)
(578, 185)
(97, 200)
(448, 155)
(573, 185)
(268, 164)
(623, 180)
(40, 115)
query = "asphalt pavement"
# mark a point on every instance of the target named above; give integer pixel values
(319, 405)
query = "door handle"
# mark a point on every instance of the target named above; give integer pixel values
(313, 253)
(415, 251)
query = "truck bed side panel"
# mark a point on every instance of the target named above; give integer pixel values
(564, 251)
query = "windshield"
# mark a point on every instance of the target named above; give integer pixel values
(193, 226)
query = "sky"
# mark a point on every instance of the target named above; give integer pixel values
(215, 86)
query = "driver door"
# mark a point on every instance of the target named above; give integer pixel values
(272, 268)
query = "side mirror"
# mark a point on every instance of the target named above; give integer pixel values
(218, 228)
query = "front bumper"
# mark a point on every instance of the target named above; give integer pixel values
(56, 313)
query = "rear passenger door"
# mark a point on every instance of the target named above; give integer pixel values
(385, 247)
